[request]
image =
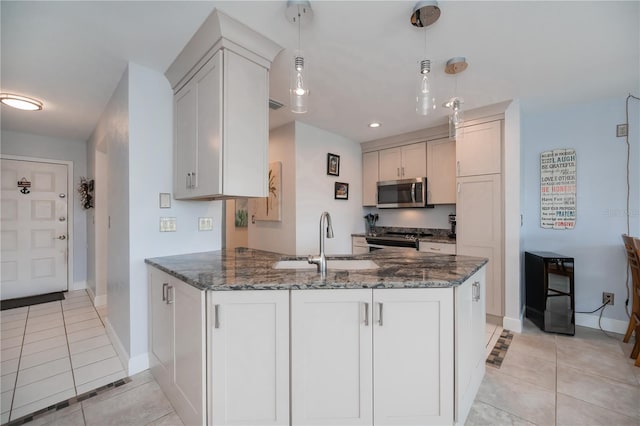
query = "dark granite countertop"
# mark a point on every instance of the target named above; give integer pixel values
(248, 269)
(431, 239)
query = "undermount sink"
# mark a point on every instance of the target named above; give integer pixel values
(336, 264)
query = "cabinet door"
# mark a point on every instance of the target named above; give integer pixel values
(478, 151)
(470, 342)
(390, 164)
(189, 352)
(370, 178)
(413, 356)
(441, 172)
(331, 357)
(246, 127)
(185, 148)
(208, 85)
(160, 327)
(479, 230)
(414, 160)
(249, 362)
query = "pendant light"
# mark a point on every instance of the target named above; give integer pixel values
(424, 14)
(297, 12)
(20, 102)
(456, 119)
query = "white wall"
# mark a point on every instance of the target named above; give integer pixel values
(595, 243)
(150, 173)
(280, 237)
(37, 146)
(315, 189)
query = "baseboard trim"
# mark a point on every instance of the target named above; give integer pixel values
(78, 285)
(97, 300)
(608, 324)
(117, 344)
(138, 363)
(513, 324)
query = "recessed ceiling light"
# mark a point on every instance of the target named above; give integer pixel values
(20, 102)
(374, 124)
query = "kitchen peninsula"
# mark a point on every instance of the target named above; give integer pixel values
(234, 340)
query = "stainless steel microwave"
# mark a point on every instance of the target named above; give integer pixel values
(402, 193)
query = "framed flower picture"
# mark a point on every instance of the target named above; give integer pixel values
(333, 164)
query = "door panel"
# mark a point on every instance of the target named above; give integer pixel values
(34, 229)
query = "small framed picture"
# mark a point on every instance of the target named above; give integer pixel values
(341, 191)
(333, 164)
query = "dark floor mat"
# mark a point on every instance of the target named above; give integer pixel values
(31, 300)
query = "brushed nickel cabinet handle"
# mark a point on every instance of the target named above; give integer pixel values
(164, 291)
(380, 314)
(170, 294)
(366, 314)
(216, 318)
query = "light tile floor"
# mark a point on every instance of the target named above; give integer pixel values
(544, 380)
(548, 379)
(52, 352)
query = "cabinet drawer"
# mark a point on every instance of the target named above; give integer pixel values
(442, 248)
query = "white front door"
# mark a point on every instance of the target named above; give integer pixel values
(35, 235)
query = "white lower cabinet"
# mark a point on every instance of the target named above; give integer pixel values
(349, 356)
(363, 357)
(177, 344)
(469, 342)
(249, 357)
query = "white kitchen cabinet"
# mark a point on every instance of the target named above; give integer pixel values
(331, 357)
(438, 248)
(249, 357)
(370, 178)
(441, 171)
(413, 356)
(478, 151)
(177, 342)
(359, 245)
(469, 342)
(212, 137)
(479, 230)
(403, 162)
(395, 346)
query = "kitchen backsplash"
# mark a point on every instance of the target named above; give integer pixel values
(435, 218)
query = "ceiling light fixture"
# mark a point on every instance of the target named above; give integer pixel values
(424, 14)
(455, 66)
(374, 125)
(297, 12)
(20, 102)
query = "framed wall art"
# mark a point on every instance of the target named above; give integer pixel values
(333, 164)
(341, 191)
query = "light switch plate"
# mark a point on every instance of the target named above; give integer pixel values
(205, 224)
(165, 200)
(168, 224)
(622, 130)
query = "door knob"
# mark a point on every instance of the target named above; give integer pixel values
(62, 218)
(61, 237)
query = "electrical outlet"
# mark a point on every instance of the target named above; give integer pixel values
(607, 297)
(622, 130)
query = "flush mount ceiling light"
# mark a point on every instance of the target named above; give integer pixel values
(20, 102)
(298, 12)
(374, 125)
(455, 66)
(424, 14)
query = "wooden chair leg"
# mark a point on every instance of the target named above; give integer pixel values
(635, 353)
(630, 328)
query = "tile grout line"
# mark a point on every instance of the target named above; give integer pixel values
(66, 336)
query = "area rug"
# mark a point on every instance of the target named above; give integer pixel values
(499, 351)
(31, 300)
(64, 404)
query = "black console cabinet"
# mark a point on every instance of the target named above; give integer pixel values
(550, 291)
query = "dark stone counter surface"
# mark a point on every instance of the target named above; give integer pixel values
(248, 269)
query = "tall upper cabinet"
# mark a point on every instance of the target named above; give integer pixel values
(479, 206)
(221, 118)
(403, 162)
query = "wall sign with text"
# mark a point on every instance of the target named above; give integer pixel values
(558, 189)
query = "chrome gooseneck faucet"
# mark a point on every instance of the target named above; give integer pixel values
(321, 259)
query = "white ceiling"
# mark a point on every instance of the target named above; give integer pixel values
(361, 56)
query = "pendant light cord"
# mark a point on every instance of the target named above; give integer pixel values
(299, 29)
(628, 211)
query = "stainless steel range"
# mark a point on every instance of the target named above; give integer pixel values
(406, 240)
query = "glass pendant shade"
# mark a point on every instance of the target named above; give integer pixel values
(425, 101)
(299, 93)
(456, 119)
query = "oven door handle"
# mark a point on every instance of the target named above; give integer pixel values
(413, 193)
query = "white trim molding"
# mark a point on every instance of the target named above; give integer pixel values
(608, 324)
(133, 365)
(100, 300)
(513, 324)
